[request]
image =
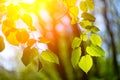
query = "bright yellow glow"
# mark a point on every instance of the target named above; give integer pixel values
(28, 1)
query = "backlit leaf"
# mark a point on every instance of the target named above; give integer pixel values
(49, 56)
(13, 12)
(2, 8)
(70, 3)
(90, 4)
(8, 26)
(2, 44)
(76, 53)
(96, 39)
(83, 6)
(11, 38)
(27, 19)
(22, 35)
(29, 55)
(86, 63)
(2, 1)
(84, 37)
(73, 12)
(88, 16)
(76, 42)
(95, 50)
(30, 42)
(43, 40)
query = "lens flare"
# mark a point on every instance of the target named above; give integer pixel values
(28, 1)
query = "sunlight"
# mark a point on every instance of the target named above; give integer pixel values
(28, 1)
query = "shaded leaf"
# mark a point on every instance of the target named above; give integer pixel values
(95, 50)
(76, 42)
(29, 55)
(30, 42)
(96, 39)
(94, 29)
(49, 56)
(22, 35)
(86, 63)
(76, 53)
(85, 23)
(2, 44)
(88, 16)
(83, 6)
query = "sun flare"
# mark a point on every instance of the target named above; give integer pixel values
(28, 1)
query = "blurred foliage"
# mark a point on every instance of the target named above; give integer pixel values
(69, 56)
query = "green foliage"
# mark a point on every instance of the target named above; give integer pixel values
(76, 53)
(76, 42)
(86, 63)
(96, 39)
(29, 55)
(88, 16)
(49, 56)
(84, 47)
(95, 50)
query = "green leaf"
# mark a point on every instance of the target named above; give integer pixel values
(85, 23)
(49, 56)
(83, 6)
(86, 63)
(90, 4)
(2, 44)
(83, 36)
(95, 50)
(94, 29)
(96, 39)
(76, 42)
(76, 53)
(29, 55)
(88, 16)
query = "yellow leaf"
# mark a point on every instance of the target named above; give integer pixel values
(83, 6)
(70, 3)
(2, 1)
(73, 12)
(8, 26)
(11, 38)
(22, 35)
(2, 44)
(27, 19)
(13, 12)
(90, 4)
(43, 40)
